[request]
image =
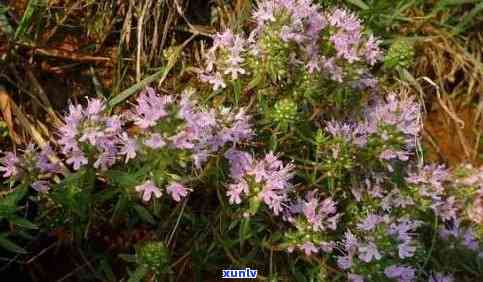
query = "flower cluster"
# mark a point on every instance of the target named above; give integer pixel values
(387, 133)
(311, 218)
(89, 133)
(376, 239)
(33, 167)
(228, 62)
(327, 43)
(265, 180)
(348, 187)
(92, 137)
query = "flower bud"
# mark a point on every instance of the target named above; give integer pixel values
(285, 112)
(155, 256)
(399, 55)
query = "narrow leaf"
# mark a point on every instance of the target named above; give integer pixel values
(22, 222)
(359, 3)
(138, 275)
(11, 246)
(144, 214)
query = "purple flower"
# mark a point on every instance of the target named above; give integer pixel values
(430, 180)
(319, 214)
(340, 130)
(474, 178)
(350, 242)
(177, 191)
(264, 12)
(406, 250)
(77, 159)
(223, 39)
(402, 113)
(476, 211)
(235, 191)
(41, 186)
(9, 164)
(345, 20)
(370, 222)
(335, 71)
(400, 273)
(403, 229)
(183, 139)
(107, 156)
(240, 163)
(216, 80)
(91, 134)
(355, 278)
(68, 140)
(440, 277)
(470, 240)
(309, 248)
(150, 108)
(368, 252)
(148, 189)
(390, 154)
(269, 174)
(155, 141)
(344, 262)
(199, 158)
(345, 44)
(372, 53)
(447, 208)
(113, 124)
(313, 65)
(94, 107)
(239, 130)
(43, 162)
(76, 113)
(234, 57)
(129, 146)
(327, 247)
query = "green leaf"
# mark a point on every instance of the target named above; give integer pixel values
(359, 3)
(105, 267)
(128, 258)
(122, 178)
(162, 75)
(138, 274)
(245, 231)
(22, 222)
(5, 26)
(32, 8)
(8, 204)
(120, 208)
(144, 214)
(11, 246)
(465, 21)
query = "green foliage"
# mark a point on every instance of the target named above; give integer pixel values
(33, 10)
(400, 55)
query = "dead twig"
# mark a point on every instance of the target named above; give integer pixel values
(69, 11)
(449, 110)
(6, 111)
(32, 259)
(45, 100)
(61, 54)
(140, 36)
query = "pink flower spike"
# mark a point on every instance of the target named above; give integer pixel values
(148, 189)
